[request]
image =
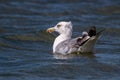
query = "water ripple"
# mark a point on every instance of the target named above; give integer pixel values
(26, 48)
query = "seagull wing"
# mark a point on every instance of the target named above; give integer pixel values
(71, 45)
(67, 46)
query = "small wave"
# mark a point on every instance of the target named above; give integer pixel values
(9, 74)
(109, 10)
(41, 36)
(14, 47)
(2, 30)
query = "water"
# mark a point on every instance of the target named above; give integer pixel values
(26, 49)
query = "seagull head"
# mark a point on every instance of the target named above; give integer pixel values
(61, 27)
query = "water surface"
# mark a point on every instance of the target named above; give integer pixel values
(26, 49)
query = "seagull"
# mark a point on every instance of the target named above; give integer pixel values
(65, 44)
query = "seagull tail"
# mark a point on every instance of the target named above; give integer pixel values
(88, 46)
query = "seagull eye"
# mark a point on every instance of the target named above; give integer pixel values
(58, 26)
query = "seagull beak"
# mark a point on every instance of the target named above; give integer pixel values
(50, 30)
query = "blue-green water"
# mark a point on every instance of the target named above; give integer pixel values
(26, 49)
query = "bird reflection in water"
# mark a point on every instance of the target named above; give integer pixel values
(73, 55)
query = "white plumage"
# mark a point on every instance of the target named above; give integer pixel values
(64, 44)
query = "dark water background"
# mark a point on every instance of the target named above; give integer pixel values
(26, 49)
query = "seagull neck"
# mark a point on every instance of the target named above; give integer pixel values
(62, 37)
(59, 39)
(65, 36)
